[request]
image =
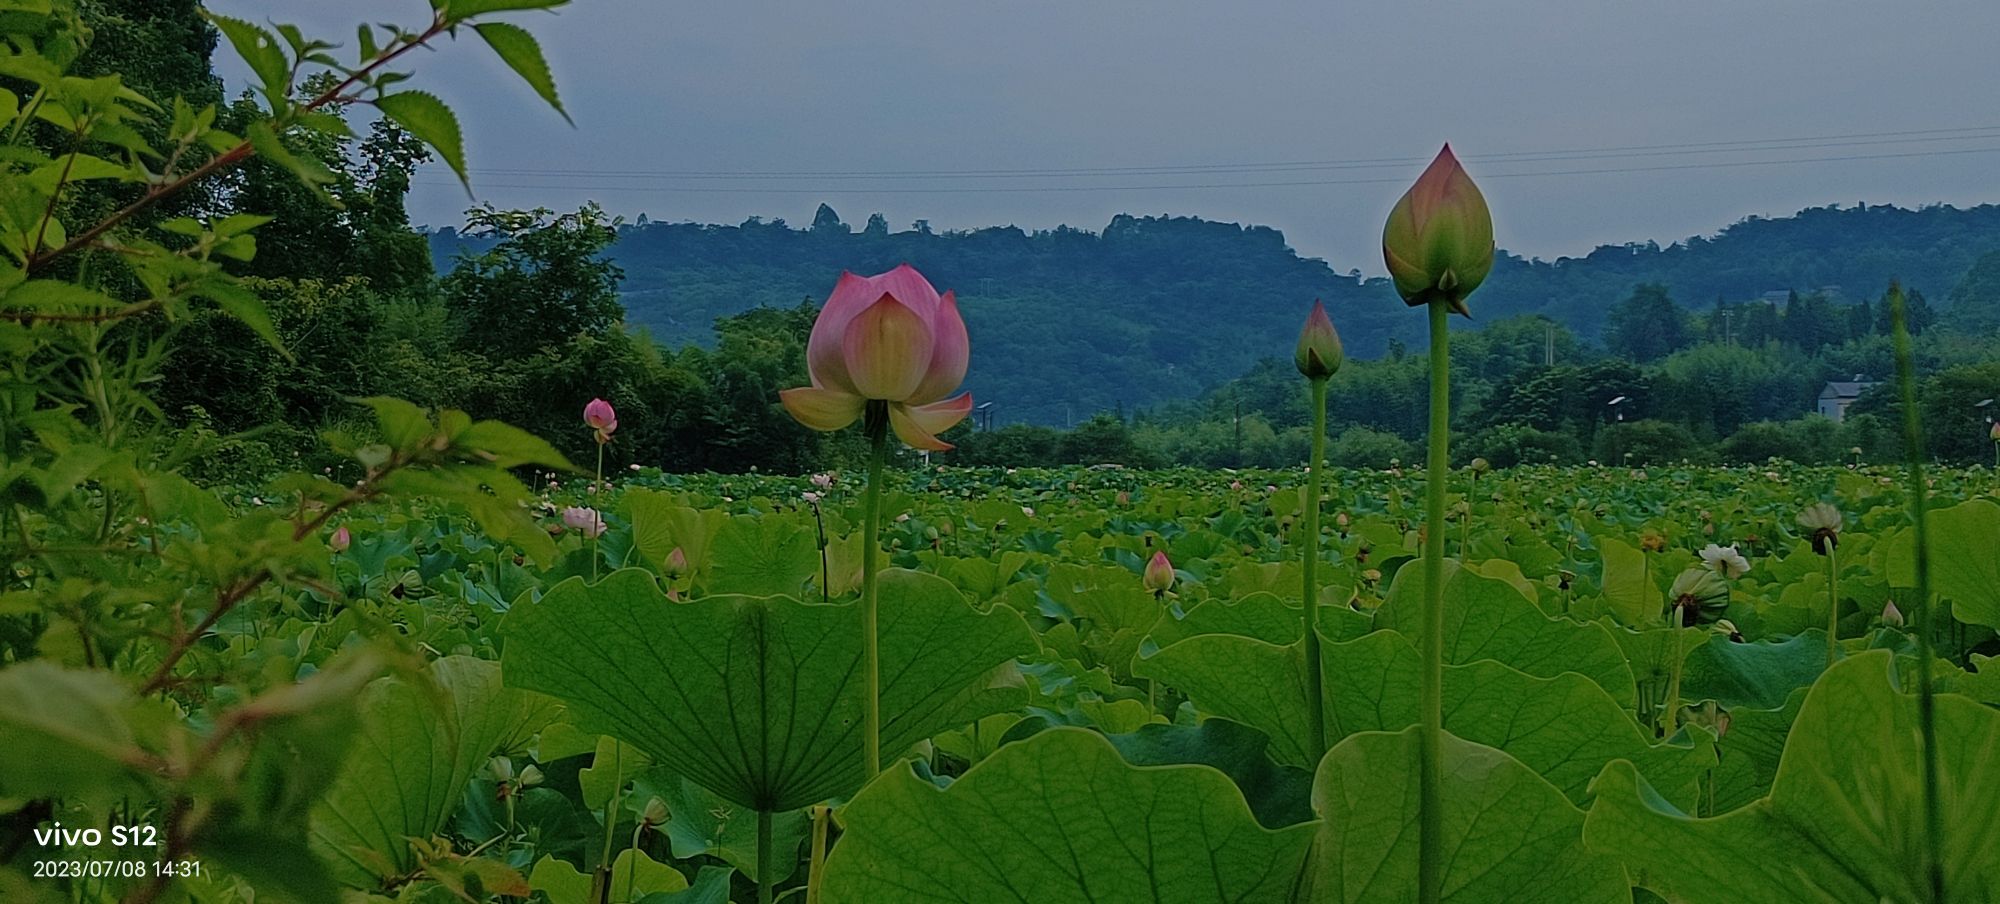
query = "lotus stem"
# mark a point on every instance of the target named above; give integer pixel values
(876, 426)
(599, 485)
(1833, 605)
(765, 883)
(1315, 679)
(1913, 456)
(1430, 776)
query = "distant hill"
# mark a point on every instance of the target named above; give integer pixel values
(1066, 322)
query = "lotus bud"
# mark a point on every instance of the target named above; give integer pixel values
(1159, 576)
(655, 813)
(601, 418)
(888, 339)
(676, 564)
(583, 520)
(500, 769)
(1318, 354)
(1892, 616)
(340, 539)
(1438, 241)
(1824, 521)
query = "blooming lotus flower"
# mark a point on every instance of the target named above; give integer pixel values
(584, 520)
(1725, 560)
(1438, 242)
(892, 339)
(1699, 594)
(601, 418)
(822, 480)
(1318, 354)
(1159, 576)
(340, 539)
(1824, 521)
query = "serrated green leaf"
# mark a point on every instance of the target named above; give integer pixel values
(427, 118)
(259, 49)
(519, 50)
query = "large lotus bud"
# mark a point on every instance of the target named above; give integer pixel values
(1438, 242)
(1318, 354)
(887, 338)
(601, 418)
(1159, 576)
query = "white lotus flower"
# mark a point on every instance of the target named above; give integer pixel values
(1725, 561)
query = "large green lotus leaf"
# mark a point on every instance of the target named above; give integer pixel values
(1260, 615)
(1650, 653)
(1060, 818)
(1629, 590)
(1965, 559)
(762, 557)
(1749, 754)
(1565, 727)
(1488, 618)
(1278, 795)
(1758, 675)
(760, 699)
(416, 748)
(1509, 835)
(1844, 820)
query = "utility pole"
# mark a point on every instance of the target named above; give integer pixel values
(1728, 336)
(1549, 345)
(1239, 433)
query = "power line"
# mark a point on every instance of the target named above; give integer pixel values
(1654, 150)
(1297, 183)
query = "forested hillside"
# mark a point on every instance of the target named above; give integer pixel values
(1153, 309)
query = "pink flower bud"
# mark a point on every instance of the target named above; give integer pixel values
(583, 520)
(1892, 616)
(1438, 241)
(1318, 354)
(601, 418)
(1159, 576)
(340, 539)
(677, 563)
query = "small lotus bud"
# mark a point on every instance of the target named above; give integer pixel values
(1318, 355)
(1892, 616)
(655, 813)
(1159, 576)
(1438, 241)
(340, 539)
(677, 563)
(500, 769)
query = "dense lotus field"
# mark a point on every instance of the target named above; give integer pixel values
(679, 694)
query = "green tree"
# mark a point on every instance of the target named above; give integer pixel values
(1974, 303)
(1647, 325)
(544, 281)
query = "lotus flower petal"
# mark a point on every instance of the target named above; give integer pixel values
(823, 409)
(919, 425)
(887, 349)
(951, 351)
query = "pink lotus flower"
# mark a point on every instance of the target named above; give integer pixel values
(1438, 242)
(601, 418)
(1159, 576)
(584, 520)
(340, 539)
(889, 338)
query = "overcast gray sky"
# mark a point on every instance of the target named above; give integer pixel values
(1199, 91)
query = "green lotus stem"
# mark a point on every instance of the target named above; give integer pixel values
(876, 426)
(765, 884)
(597, 487)
(815, 868)
(600, 884)
(1315, 680)
(1430, 775)
(1671, 715)
(1913, 455)
(1833, 606)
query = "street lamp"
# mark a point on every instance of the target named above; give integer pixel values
(984, 413)
(1614, 409)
